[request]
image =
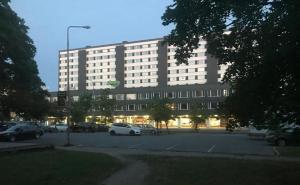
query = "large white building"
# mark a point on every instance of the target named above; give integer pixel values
(145, 69)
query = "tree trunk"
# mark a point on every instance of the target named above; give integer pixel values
(157, 131)
(167, 123)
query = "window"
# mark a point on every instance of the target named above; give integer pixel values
(131, 97)
(199, 93)
(143, 96)
(183, 94)
(156, 95)
(171, 95)
(212, 93)
(131, 107)
(225, 92)
(119, 96)
(183, 106)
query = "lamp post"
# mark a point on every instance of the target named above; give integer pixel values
(68, 82)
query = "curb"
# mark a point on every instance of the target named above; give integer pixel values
(25, 148)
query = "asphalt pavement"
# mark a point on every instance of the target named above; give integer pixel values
(177, 142)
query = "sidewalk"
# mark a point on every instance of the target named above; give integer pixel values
(10, 147)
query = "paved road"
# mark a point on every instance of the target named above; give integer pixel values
(188, 142)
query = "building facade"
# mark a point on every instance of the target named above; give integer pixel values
(145, 69)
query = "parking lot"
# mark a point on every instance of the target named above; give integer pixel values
(180, 142)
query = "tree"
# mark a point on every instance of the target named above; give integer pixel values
(159, 110)
(197, 115)
(80, 109)
(105, 105)
(20, 86)
(261, 42)
(57, 111)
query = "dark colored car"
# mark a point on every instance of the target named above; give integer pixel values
(283, 137)
(83, 127)
(3, 127)
(21, 132)
(101, 128)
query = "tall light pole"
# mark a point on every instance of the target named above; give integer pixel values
(68, 82)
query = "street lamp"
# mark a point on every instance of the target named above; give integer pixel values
(68, 81)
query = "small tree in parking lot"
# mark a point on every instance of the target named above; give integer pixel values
(197, 114)
(79, 109)
(105, 105)
(159, 110)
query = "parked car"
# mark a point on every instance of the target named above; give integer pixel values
(283, 137)
(20, 132)
(147, 129)
(3, 127)
(258, 131)
(61, 127)
(101, 127)
(124, 129)
(49, 129)
(83, 127)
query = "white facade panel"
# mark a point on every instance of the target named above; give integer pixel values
(192, 73)
(63, 70)
(141, 64)
(100, 67)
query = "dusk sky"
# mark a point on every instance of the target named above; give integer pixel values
(112, 21)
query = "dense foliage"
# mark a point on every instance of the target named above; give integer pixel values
(80, 109)
(197, 115)
(160, 110)
(259, 39)
(20, 86)
(104, 105)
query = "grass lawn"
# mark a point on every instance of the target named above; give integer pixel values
(219, 171)
(289, 151)
(55, 167)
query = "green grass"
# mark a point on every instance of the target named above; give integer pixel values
(289, 151)
(220, 171)
(55, 167)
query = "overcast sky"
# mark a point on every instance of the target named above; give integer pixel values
(112, 21)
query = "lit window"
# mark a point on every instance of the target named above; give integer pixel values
(131, 96)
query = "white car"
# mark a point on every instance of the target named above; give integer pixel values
(124, 129)
(61, 127)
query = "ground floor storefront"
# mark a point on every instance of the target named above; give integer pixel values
(181, 121)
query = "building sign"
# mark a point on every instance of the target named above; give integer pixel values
(113, 83)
